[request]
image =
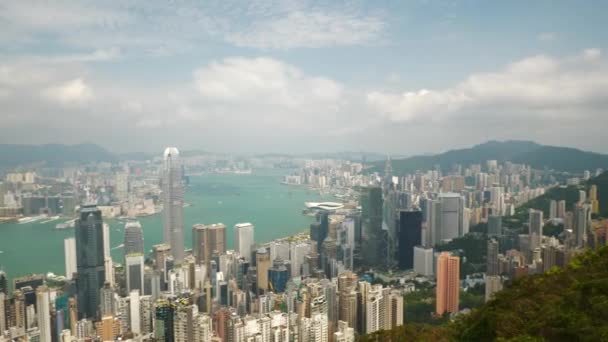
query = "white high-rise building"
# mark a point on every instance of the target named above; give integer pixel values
(173, 203)
(552, 209)
(423, 260)
(43, 309)
(134, 312)
(493, 285)
(374, 310)
(121, 182)
(243, 239)
(69, 248)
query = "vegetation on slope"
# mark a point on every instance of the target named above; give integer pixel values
(569, 304)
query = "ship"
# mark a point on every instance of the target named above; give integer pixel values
(66, 224)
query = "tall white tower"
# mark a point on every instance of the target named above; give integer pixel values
(243, 239)
(173, 203)
(69, 247)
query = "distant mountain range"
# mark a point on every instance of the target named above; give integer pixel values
(517, 151)
(12, 155)
(523, 152)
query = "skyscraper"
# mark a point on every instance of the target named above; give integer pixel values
(552, 209)
(134, 238)
(69, 248)
(452, 216)
(3, 283)
(582, 217)
(410, 235)
(89, 260)
(373, 236)
(492, 258)
(243, 239)
(535, 223)
(173, 203)
(207, 240)
(163, 327)
(43, 311)
(134, 265)
(448, 283)
(494, 225)
(262, 258)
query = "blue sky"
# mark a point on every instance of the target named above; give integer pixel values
(295, 76)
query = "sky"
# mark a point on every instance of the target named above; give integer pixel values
(400, 77)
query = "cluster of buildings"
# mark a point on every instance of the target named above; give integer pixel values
(315, 286)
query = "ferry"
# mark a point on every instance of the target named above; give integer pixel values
(30, 219)
(66, 224)
(50, 219)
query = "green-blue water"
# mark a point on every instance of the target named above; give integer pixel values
(259, 198)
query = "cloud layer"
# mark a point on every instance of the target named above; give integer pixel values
(541, 85)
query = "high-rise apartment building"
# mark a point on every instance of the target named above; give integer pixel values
(173, 203)
(448, 283)
(243, 239)
(535, 224)
(89, 260)
(208, 240)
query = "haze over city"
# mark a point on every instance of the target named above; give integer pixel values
(303, 76)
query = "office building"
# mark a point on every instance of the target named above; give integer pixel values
(423, 260)
(410, 235)
(374, 238)
(448, 283)
(134, 238)
(492, 258)
(278, 276)
(69, 249)
(262, 261)
(243, 239)
(208, 240)
(134, 267)
(43, 311)
(173, 203)
(163, 318)
(495, 225)
(89, 260)
(452, 218)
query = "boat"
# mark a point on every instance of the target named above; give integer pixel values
(30, 219)
(66, 224)
(50, 219)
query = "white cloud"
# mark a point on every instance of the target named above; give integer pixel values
(167, 28)
(75, 91)
(310, 30)
(539, 85)
(264, 81)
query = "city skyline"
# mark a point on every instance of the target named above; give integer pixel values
(372, 74)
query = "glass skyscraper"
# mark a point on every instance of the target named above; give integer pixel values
(89, 260)
(173, 203)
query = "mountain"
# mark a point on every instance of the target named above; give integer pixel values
(569, 304)
(517, 151)
(51, 154)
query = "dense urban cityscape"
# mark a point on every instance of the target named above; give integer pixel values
(382, 240)
(303, 171)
